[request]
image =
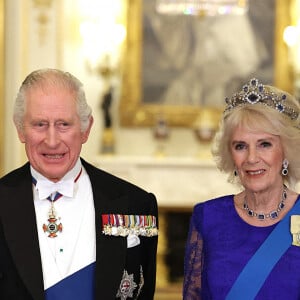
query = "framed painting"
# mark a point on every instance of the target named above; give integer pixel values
(176, 67)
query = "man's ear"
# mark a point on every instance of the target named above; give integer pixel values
(21, 135)
(86, 133)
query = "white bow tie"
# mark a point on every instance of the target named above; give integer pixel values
(45, 188)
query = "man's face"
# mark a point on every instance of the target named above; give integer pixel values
(51, 132)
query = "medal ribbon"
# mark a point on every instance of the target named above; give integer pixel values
(123, 225)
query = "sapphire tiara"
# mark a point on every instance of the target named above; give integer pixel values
(255, 92)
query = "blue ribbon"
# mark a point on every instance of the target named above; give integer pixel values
(263, 261)
(78, 286)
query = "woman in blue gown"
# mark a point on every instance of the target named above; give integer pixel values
(247, 246)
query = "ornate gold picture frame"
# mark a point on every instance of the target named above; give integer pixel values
(135, 112)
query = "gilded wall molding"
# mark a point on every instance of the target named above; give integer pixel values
(43, 17)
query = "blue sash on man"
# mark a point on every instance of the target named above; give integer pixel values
(78, 286)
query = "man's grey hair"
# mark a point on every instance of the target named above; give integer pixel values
(44, 78)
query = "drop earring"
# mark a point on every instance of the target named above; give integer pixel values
(285, 165)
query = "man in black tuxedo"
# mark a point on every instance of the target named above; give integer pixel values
(70, 231)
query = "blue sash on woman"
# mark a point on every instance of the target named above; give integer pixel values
(254, 274)
(78, 286)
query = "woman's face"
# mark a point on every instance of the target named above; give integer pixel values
(258, 158)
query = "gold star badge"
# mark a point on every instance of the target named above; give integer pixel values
(295, 229)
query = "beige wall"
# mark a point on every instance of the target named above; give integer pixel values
(57, 43)
(29, 46)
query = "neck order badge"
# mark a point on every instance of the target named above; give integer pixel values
(52, 227)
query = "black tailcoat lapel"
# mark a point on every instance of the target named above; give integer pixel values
(19, 226)
(111, 251)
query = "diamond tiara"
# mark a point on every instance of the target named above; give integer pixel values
(255, 92)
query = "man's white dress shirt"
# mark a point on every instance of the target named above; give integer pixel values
(75, 246)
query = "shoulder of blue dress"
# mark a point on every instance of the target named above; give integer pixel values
(216, 201)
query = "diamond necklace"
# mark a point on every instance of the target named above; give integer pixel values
(273, 214)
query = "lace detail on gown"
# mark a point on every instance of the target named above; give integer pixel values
(193, 265)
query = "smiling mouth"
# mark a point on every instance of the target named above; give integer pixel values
(258, 172)
(54, 156)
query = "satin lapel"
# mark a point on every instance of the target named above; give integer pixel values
(19, 225)
(110, 250)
